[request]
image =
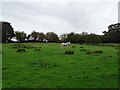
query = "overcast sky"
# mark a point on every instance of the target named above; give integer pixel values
(60, 17)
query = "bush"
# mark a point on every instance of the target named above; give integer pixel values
(69, 52)
(21, 50)
(73, 46)
(82, 50)
(88, 52)
(37, 49)
(81, 47)
(98, 51)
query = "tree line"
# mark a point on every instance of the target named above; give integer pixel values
(112, 35)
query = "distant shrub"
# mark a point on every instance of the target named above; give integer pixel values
(88, 52)
(69, 52)
(82, 50)
(81, 47)
(21, 50)
(4, 68)
(86, 77)
(116, 48)
(54, 64)
(37, 49)
(98, 51)
(96, 68)
(73, 46)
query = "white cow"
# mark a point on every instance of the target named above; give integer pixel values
(65, 44)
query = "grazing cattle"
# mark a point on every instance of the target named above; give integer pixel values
(65, 44)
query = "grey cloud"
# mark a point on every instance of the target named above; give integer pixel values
(73, 16)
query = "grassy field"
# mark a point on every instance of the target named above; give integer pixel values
(0, 67)
(51, 68)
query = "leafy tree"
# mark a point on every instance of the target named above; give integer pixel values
(74, 37)
(52, 37)
(83, 37)
(38, 36)
(63, 37)
(7, 32)
(70, 37)
(93, 39)
(35, 35)
(41, 36)
(113, 34)
(77, 38)
(20, 36)
(29, 38)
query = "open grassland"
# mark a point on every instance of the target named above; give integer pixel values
(51, 68)
(0, 65)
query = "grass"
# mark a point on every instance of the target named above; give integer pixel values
(51, 68)
(0, 66)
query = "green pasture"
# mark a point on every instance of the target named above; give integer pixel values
(51, 68)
